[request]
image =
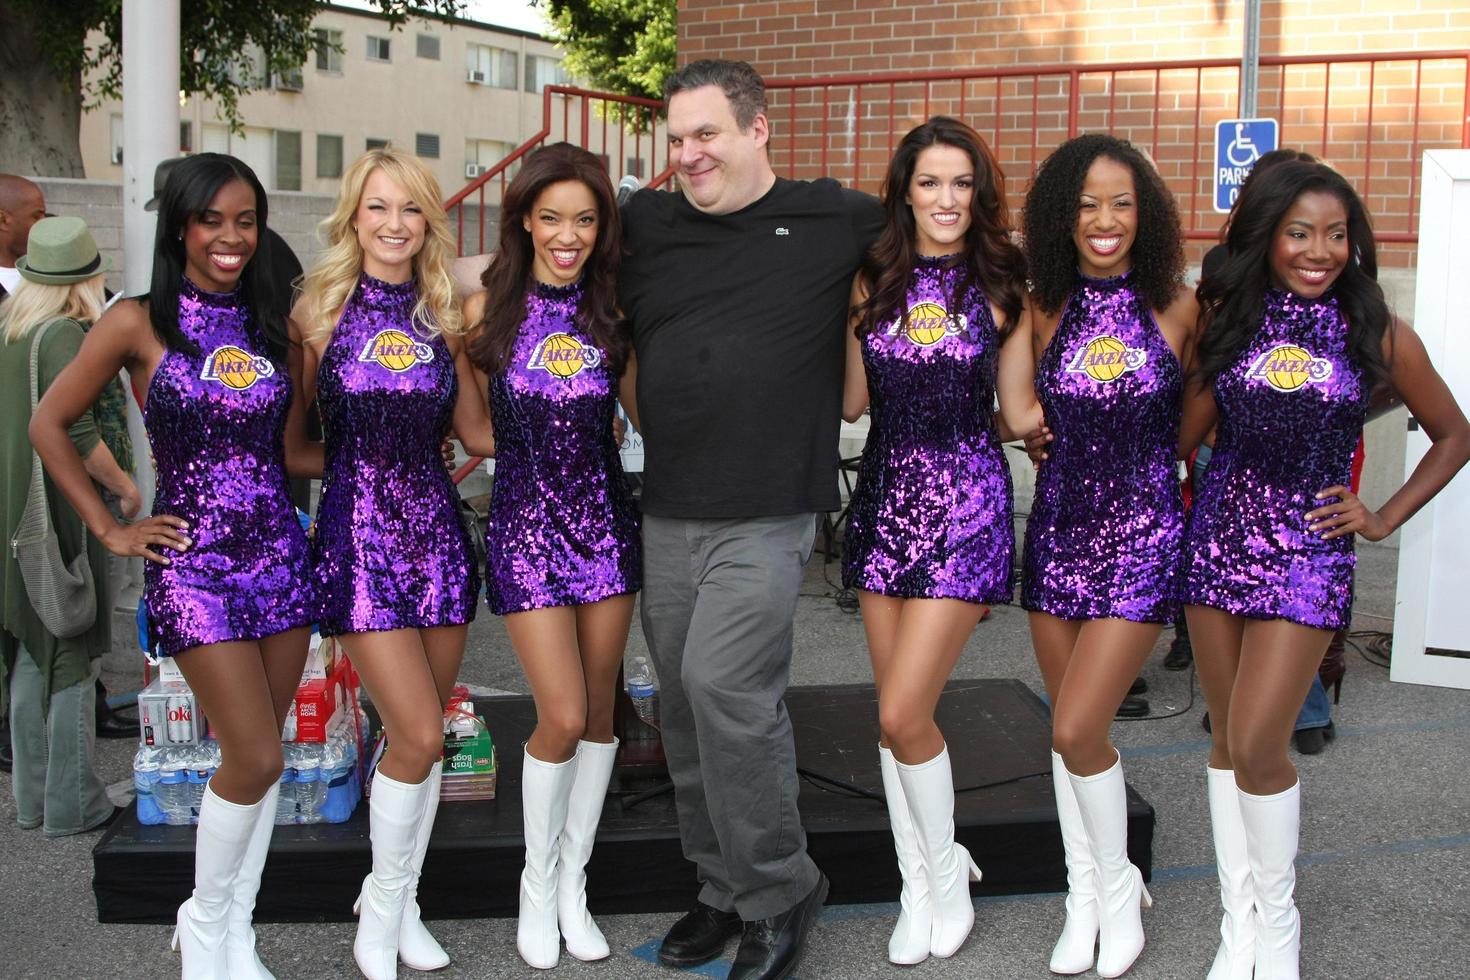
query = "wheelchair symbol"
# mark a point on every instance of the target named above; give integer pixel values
(1241, 151)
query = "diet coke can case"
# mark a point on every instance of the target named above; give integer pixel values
(168, 714)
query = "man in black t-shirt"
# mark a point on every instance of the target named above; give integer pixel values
(737, 291)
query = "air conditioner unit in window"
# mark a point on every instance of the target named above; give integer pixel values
(288, 83)
(473, 170)
(477, 77)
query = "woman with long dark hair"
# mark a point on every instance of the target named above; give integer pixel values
(563, 558)
(1295, 336)
(227, 578)
(1111, 325)
(930, 538)
(383, 354)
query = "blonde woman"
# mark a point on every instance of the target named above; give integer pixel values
(51, 697)
(382, 354)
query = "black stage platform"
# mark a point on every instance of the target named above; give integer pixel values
(1005, 814)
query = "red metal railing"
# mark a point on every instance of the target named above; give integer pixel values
(1370, 115)
(598, 121)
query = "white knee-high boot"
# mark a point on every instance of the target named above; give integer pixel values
(584, 811)
(545, 788)
(395, 811)
(1236, 957)
(1076, 948)
(220, 843)
(911, 935)
(1272, 827)
(1102, 801)
(240, 951)
(417, 947)
(928, 788)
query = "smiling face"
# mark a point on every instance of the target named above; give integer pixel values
(941, 192)
(1309, 248)
(563, 227)
(1107, 219)
(721, 169)
(220, 241)
(390, 228)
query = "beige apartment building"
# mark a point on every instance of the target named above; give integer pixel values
(461, 95)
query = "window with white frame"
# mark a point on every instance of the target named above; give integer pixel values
(485, 65)
(542, 71)
(378, 49)
(328, 155)
(481, 155)
(287, 160)
(115, 137)
(328, 50)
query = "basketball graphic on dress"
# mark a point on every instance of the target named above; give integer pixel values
(1287, 367)
(1106, 359)
(563, 356)
(235, 367)
(396, 351)
(928, 324)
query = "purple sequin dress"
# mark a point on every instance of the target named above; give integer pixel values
(1107, 522)
(931, 513)
(1291, 409)
(563, 530)
(390, 550)
(215, 420)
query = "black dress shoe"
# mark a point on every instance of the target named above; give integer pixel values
(1133, 708)
(113, 725)
(1180, 654)
(7, 761)
(771, 947)
(1140, 686)
(699, 936)
(1310, 741)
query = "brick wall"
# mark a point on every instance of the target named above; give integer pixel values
(847, 130)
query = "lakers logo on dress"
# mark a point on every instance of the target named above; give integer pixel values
(928, 323)
(235, 367)
(1287, 367)
(563, 356)
(396, 351)
(1105, 359)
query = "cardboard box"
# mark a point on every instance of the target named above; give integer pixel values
(168, 714)
(321, 704)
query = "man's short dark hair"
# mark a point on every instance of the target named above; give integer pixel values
(741, 84)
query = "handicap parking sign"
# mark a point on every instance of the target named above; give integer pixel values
(1239, 143)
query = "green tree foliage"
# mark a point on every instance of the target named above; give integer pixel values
(623, 46)
(57, 56)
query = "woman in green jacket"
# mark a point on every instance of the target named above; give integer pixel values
(51, 679)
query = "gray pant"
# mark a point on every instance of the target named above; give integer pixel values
(718, 601)
(54, 776)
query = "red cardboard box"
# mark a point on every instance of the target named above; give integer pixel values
(322, 704)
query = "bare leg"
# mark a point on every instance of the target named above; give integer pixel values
(931, 636)
(1216, 638)
(1105, 661)
(232, 686)
(880, 624)
(1053, 640)
(284, 656)
(602, 636)
(1277, 662)
(545, 642)
(444, 648)
(395, 669)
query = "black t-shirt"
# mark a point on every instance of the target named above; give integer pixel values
(739, 323)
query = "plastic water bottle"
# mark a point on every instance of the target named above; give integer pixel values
(641, 689)
(173, 787)
(286, 797)
(145, 782)
(308, 785)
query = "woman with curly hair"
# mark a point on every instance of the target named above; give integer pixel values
(1295, 337)
(1110, 330)
(930, 538)
(563, 558)
(382, 350)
